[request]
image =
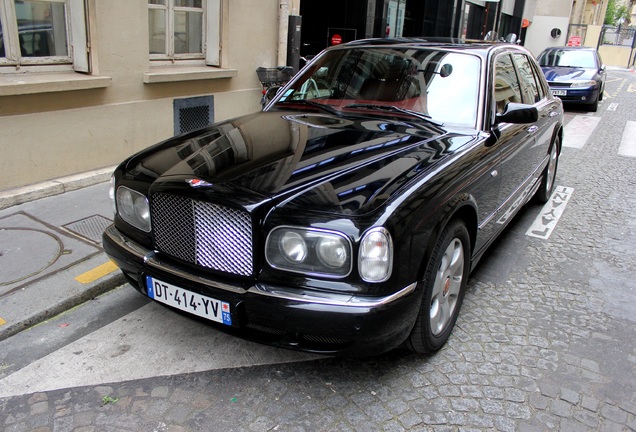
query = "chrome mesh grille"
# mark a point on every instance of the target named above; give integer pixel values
(202, 233)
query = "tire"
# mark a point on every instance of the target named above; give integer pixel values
(444, 286)
(593, 107)
(549, 175)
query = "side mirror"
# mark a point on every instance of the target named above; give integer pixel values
(518, 113)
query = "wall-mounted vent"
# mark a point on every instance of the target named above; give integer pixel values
(193, 113)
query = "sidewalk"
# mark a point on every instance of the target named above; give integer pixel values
(51, 258)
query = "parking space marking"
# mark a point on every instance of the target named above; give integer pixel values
(628, 143)
(97, 272)
(546, 221)
(579, 130)
(612, 106)
(2, 322)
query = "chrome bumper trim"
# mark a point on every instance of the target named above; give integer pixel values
(304, 296)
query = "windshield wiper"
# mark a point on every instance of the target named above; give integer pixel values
(323, 107)
(393, 108)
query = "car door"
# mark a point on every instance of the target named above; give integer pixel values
(534, 92)
(515, 140)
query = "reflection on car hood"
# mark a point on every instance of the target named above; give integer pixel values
(310, 160)
(566, 74)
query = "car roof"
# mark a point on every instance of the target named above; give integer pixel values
(476, 46)
(570, 48)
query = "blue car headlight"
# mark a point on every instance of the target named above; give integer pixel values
(309, 251)
(583, 83)
(133, 208)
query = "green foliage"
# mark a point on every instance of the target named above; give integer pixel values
(109, 400)
(615, 13)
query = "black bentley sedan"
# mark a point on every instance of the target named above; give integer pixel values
(344, 218)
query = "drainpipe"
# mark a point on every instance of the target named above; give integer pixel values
(283, 26)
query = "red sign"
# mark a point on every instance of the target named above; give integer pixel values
(574, 41)
(336, 39)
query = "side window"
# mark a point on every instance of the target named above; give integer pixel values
(506, 83)
(529, 85)
(538, 77)
(184, 30)
(43, 32)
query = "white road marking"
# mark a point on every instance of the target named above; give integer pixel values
(550, 214)
(628, 143)
(612, 107)
(150, 342)
(579, 130)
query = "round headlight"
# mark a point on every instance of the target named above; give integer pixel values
(293, 247)
(126, 200)
(332, 251)
(142, 210)
(133, 208)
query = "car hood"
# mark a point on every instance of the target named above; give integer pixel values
(314, 161)
(568, 74)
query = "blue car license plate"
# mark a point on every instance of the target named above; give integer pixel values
(188, 301)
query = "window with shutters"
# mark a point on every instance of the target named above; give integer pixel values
(43, 32)
(184, 30)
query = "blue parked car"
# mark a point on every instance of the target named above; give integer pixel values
(574, 74)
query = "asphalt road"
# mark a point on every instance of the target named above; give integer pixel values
(545, 339)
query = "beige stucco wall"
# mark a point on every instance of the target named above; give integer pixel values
(612, 55)
(48, 135)
(615, 55)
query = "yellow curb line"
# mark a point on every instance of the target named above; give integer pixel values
(2, 322)
(97, 272)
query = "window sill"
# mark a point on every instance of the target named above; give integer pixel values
(34, 83)
(167, 74)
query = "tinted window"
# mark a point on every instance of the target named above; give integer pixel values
(529, 86)
(506, 83)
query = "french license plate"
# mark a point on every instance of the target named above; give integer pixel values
(560, 92)
(188, 301)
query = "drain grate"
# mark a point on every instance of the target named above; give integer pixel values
(90, 228)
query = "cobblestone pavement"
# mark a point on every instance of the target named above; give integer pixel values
(545, 340)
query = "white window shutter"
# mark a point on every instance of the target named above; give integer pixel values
(213, 33)
(79, 39)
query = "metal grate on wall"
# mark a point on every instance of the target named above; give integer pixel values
(193, 113)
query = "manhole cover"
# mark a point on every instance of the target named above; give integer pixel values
(18, 260)
(90, 228)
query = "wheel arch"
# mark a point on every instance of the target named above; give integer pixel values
(463, 208)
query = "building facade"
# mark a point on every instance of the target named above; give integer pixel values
(85, 83)
(357, 19)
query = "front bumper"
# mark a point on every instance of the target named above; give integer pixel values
(291, 317)
(580, 95)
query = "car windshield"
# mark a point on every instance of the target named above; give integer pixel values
(418, 83)
(568, 58)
